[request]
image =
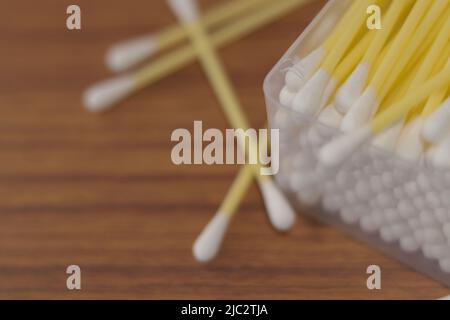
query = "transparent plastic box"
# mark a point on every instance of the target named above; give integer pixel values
(398, 207)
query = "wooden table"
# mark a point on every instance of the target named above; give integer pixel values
(101, 191)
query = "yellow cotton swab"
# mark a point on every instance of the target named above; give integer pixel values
(410, 143)
(315, 93)
(387, 139)
(302, 70)
(367, 104)
(208, 242)
(350, 91)
(336, 152)
(280, 213)
(126, 54)
(102, 96)
(423, 39)
(329, 115)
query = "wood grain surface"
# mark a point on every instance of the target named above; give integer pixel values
(101, 191)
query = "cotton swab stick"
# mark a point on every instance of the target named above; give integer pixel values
(387, 139)
(355, 84)
(104, 95)
(421, 42)
(208, 242)
(126, 54)
(315, 93)
(280, 213)
(337, 151)
(367, 104)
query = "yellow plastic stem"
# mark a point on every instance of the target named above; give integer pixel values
(342, 26)
(237, 190)
(223, 88)
(242, 27)
(390, 20)
(435, 100)
(417, 49)
(353, 25)
(415, 96)
(352, 59)
(439, 45)
(385, 70)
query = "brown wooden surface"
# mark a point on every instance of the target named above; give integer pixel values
(102, 193)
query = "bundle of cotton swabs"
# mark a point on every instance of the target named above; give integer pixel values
(381, 144)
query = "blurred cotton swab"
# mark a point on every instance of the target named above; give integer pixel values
(366, 105)
(126, 54)
(280, 213)
(315, 93)
(355, 84)
(208, 243)
(104, 95)
(337, 151)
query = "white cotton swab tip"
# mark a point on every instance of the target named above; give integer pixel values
(361, 111)
(330, 117)
(297, 76)
(129, 53)
(208, 242)
(352, 89)
(440, 155)
(387, 139)
(286, 97)
(410, 145)
(104, 95)
(335, 153)
(436, 126)
(280, 212)
(312, 96)
(185, 10)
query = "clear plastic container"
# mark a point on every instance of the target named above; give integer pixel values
(398, 207)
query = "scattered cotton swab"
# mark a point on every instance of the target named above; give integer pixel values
(104, 95)
(280, 213)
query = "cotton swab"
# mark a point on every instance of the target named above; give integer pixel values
(315, 93)
(280, 213)
(367, 104)
(337, 151)
(102, 96)
(126, 54)
(208, 242)
(302, 70)
(345, 67)
(422, 40)
(350, 91)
